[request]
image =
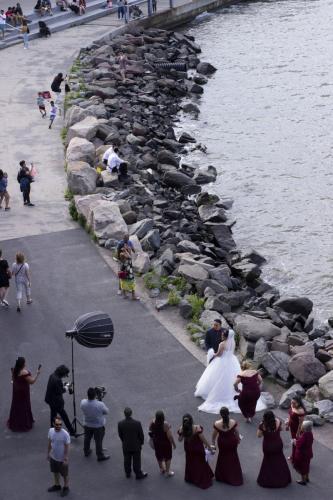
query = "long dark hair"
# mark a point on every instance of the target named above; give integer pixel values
(19, 365)
(187, 425)
(1, 174)
(299, 401)
(269, 421)
(224, 412)
(159, 420)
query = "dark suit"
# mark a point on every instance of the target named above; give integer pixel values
(55, 400)
(131, 434)
(213, 338)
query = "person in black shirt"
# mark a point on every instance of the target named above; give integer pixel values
(54, 397)
(213, 338)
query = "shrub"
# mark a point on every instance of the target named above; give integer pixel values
(63, 134)
(151, 280)
(68, 195)
(72, 210)
(180, 283)
(82, 220)
(197, 304)
(173, 298)
(193, 328)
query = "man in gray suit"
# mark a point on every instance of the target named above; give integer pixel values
(131, 434)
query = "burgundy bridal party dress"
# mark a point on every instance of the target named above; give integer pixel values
(197, 470)
(274, 472)
(248, 397)
(20, 417)
(228, 469)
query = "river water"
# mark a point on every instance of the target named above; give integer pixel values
(266, 119)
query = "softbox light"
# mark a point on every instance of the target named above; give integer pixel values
(94, 329)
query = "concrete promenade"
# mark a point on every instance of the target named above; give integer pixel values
(145, 367)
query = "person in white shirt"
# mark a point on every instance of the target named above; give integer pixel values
(57, 454)
(2, 23)
(114, 161)
(106, 155)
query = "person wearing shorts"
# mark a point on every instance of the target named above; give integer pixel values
(41, 104)
(20, 270)
(57, 454)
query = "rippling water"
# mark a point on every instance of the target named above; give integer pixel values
(266, 118)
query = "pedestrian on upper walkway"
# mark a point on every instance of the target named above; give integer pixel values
(3, 19)
(5, 275)
(25, 179)
(4, 195)
(25, 33)
(120, 9)
(53, 113)
(57, 454)
(132, 438)
(163, 442)
(41, 104)
(21, 273)
(154, 5)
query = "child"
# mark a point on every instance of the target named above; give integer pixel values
(3, 190)
(41, 104)
(53, 113)
(20, 270)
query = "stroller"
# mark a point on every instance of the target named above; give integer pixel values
(44, 31)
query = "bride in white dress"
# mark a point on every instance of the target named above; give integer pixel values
(216, 384)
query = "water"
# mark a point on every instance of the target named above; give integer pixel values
(266, 118)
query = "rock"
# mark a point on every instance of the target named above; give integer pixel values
(206, 199)
(194, 88)
(73, 115)
(107, 221)
(190, 107)
(247, 270)
(214, 304)
(205, 68)
(324, 407)
(316, 420)
(254, 256)
(306, 368)
(84, 205)
(211, 213)
(193, 273)
(268, 399)
(213, 285)
(246, 348)
(254, 328)
(276, 363)
(110, 179)
(326, 385)
(81, 177)
(287, 396)
(178, 180)
(297, 339)
(151, 241)
(97, 110)
(130, 217)
(260, 349)
(166, 157)
(86, 128)
(80, 150)
(313, 394)
(307, 406)
(295, 305)
(162, 304)
(141, 228)
(188, 246)
(330, 321)
(222, 274)
(323, 356)
(185, 309)
(207, 319)
(140, 259)
(205, 176)
(185, 138)
(223, 236)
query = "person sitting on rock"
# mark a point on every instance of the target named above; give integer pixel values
(114, 161)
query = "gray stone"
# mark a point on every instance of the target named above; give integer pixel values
(306, 368)
(190, 107)
(326, 385)
(205, 176)
(207, 319)
(223, 236)
(316, 420)
(246, 348)
(234, 299)
(268, 399)
(85, 129)
(254, 256)
(141, 228)
(84, 205)
(177, 180)
(254, 328)
(307, 406)
(295, 305)
(214, 304)
(324, 407)
(193, 273)
(81, 177)
(80, 150)
(185, 137)
(130, 217)
(151, 241)
(166, 157)
(97, 110)
(188, 246)
(222, 274)
(205, 68)
(213, 285)
(313, 394)
(287, 396)
(261, 348)
(211, 213)
(74, 114)
(247, 270)
(297, 338)
(276, 363)
(107, 221)
(162, 304)
(110, 179)
(185, 309)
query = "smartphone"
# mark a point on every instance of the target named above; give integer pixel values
(39, 367)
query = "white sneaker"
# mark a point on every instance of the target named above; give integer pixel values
(5, 303)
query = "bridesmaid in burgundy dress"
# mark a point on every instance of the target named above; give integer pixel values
(20, 418)
(228, 469)
(197, 470)
(250, 393)
(160, 433)
(303, 452)
(294, 422)
(274, 472)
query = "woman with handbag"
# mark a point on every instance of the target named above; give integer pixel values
(20, 269)
(162, 441)
(126, 274)
(5, 276)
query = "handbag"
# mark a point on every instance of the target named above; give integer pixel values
(122, 275)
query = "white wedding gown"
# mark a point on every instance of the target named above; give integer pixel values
(216, 384)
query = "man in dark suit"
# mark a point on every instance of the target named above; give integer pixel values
(213, 338)
(131, 434)
(54, 397)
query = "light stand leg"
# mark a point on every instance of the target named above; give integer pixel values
(75, 419)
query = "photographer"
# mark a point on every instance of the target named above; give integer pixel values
(94, 423)
(54, 397)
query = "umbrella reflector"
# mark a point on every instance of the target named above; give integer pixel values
(93, 329)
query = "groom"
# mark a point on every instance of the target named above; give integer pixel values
(213, 338)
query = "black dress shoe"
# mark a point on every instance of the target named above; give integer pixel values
(143, 475)
(55, 487)
(303, 483)
(128, 475)
(87, 453)
(104, 457)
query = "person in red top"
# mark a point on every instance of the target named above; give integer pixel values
(250, 392)
(295, 420)
(303, 452)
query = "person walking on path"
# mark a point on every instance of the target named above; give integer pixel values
(53, 113)
(4, 195)
(197, 470)
(163, 441)
(41, 104)
(250, 392)
(126, 11)
(25, 33)
(274, 470)
(228, 469)
(25, 179)
(58, 454)
(5, 275)
(120, 9)
(94, 412)
(3, 19)
(131, 435)
(303, 452)
(295, 420)
(56, 88)
(154, 5)
(126, 273)
(20, 417)
(54, 397)
(21, 272)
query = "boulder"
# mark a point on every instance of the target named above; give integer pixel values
(107, 221)
(205, 68)
(190, 107)
(253, 328)
(211, 213)
(260, 349)
(287, 396)
(295, 305)
(97, 110)
(206, 175)
(213, 285)
(207, 319)
(246, 348)
(177, 180)
(81, 177)
(306, 368)
(80, 150)
(185, 138)
(222, 274)
(188, 246)
(141, 228)
(140, 259)
(313, 394)
(165, 156)
(151, 241)
(276, 363)
(86, 128)
(214, 304)
(253, 256)
(316, 419)
(110, 179)
(185, 309)
(223, 236)
(193, 272)
(325, 384)
(268, 399)
(84, 205)
(234, 299)
(74, 114)
(130, 217)
(247, 270)
(324, 407)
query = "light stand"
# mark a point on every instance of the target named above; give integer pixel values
(75, 420)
